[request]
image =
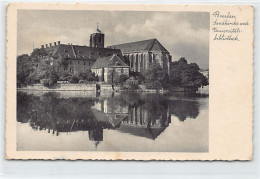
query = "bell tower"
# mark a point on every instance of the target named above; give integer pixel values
(97, 39)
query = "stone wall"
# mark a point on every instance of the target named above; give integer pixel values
(62, 87)
(105, 87)
(70, 87)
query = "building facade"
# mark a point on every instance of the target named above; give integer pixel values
(139, 56)
(74, 59)
(142, 54)
(107, 67)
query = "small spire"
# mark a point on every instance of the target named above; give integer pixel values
(99, 31)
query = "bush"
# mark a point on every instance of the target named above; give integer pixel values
(131, 84)
(82, 81)
(120, 79)
(153, 84)
(138, 76)
(45, 82)
(48, 82)
(88, 76)
(65, 77)
(74, 79)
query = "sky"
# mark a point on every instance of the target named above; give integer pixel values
(183, 34)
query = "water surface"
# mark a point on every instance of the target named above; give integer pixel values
(89, 121)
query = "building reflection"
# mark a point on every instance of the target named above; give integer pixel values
(143, 116)
(141, 122)
(111, 110)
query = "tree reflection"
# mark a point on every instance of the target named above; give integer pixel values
(184, 109)
(143, 115)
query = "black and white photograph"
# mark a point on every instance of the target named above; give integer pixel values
(121, 81)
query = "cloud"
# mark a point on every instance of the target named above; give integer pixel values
(176, 33)
(183, 34)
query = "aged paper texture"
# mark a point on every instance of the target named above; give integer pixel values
(129, 82)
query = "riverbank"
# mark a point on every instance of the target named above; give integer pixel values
(79, 87)
(103, 87)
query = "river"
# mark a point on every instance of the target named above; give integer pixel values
(126, 122)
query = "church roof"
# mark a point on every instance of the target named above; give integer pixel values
(109, 118)
(150, 133)
(80, 52)
(109, 61)
(139, 46)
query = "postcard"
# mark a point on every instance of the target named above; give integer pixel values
(129, 82)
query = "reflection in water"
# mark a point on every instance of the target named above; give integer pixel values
(140, 115)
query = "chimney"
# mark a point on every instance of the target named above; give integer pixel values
(50, 45)
(46, 45)
(42, 46)
(58, 42)
(55, 44)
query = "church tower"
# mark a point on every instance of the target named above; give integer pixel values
(97, 39)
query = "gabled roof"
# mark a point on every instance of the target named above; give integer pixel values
(109, 61)
(109, 118)
(139, 46)
(150, 133)
(80, 52)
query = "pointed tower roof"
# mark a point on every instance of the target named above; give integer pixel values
(98, 30)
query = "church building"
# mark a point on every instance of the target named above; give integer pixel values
(142, 54)
(74, 59)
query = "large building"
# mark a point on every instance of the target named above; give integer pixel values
(69, 58)
(142, 54)
(74, 59)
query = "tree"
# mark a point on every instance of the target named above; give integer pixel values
(120, 79)
(131, 84)
(38, 53)
(65, 76)
(43, 67)
(74, 79)
(186, 75)
(88, 76)
(138, 76)
(154, 76)
(24, 68)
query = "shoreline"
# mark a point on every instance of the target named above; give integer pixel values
(106, 88)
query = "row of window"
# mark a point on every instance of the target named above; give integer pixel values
(91, 53)
(68, 69)
(84, 62)
(122, 70)
(65, 69)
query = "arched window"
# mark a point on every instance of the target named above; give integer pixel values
(131, 61)
(157, 58)
(141, 62)
(144, 61)
(136, 63)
